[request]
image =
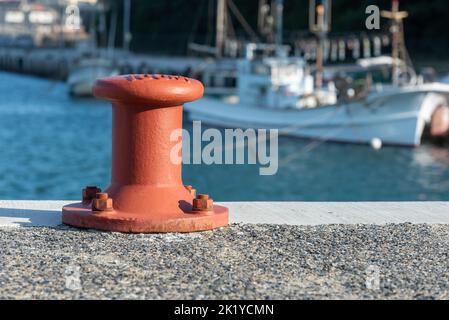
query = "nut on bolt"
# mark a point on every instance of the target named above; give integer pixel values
(203, 203)
(89, 193)
(102, 202)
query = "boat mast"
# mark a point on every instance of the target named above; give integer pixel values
(319, 24)
(93, 30)
(220, 27)
(223, 27)
(398, 50)
(126, 24)
(112, 31)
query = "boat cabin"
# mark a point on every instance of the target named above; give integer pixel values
(278, 82)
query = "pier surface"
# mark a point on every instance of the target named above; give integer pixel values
(270, 251)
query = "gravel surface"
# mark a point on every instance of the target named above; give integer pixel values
(238, 262)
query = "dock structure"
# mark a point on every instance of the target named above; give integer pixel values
(55, 63)
(271, 250)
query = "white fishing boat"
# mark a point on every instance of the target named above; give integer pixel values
(83, 75)
(278, 93)
(281, 93)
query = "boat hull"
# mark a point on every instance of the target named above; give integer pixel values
(395, 119)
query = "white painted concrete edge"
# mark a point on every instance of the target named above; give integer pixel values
(14, 213)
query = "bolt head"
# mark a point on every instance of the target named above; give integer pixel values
(203, 204)
(101, 195)
(89, 193)
(102, 204)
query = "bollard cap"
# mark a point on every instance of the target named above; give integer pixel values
(152, 90)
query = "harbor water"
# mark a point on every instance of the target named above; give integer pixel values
(52, 145)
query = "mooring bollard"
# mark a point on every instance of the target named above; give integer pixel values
(146, 193)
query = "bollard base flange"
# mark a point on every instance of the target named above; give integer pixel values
(82, 216)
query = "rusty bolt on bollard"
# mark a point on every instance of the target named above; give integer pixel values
(202, 203)
(146, 187)
(89, 193)
(102, 202)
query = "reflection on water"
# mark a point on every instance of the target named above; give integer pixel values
(51, 146)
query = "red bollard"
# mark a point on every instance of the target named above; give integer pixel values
(146, 193)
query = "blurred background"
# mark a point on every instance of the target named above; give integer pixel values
(55, 138)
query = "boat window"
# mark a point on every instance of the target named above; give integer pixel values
(260, 69)
(230, 82)
(292, 68)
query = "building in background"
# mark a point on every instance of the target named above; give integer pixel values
(43, 23)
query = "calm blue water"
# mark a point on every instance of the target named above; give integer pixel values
(51, 146)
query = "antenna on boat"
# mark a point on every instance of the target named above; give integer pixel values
(279, 22)
(320, 25)
(265, 20)
(220, 27)
(399, 50)
(270, 22)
